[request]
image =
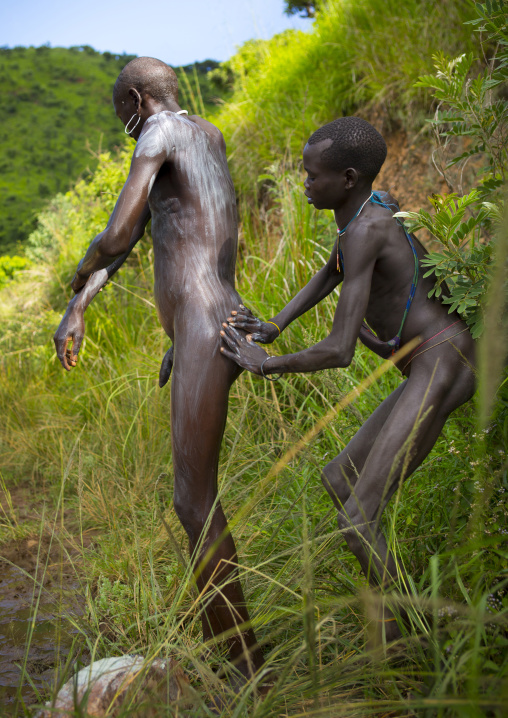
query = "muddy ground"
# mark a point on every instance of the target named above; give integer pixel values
(39, 590)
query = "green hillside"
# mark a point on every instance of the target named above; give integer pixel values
(360, 57)
(58, 117)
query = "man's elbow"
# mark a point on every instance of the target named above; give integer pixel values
(112, 243)
(339, 358)
(343, 359)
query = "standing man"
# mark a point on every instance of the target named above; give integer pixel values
(179, 177)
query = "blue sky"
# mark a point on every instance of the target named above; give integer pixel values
(176, 31)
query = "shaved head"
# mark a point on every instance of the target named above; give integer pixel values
(355, 143)
(146, 74)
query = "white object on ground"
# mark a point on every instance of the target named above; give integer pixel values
(106, 682)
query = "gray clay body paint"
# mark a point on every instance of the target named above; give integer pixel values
(194, 230)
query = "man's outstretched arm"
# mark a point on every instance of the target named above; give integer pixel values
(114, 243)
(316, 289)
(338, 348)
(70, 333)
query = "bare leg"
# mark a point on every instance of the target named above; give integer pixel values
(341, 473)
(408, 424)
(199, 400)
(409, 433)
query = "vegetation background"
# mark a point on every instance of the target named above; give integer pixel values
(58, 119)
(90, 451)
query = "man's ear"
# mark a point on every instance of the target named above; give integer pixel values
(136, 97)
(351, 177)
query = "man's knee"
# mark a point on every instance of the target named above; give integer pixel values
(452, 388)
(338, 478)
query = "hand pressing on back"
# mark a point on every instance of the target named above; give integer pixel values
(242, 350)
(258, 331)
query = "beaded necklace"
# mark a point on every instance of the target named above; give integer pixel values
(375, 198)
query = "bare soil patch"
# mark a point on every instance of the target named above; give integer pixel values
(39, 591)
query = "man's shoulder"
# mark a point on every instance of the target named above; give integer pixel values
(386, 198)
(377, 220)
(209, 129)
(167, 121)
(371, 226)
(152, 141)
(173, 125)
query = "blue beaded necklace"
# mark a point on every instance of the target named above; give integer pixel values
(375, 198)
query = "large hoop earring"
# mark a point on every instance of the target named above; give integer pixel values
(127, 131)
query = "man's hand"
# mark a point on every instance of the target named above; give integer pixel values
(166, 367)
(243, 318)
(242, 350)
(372, 342)
(69, 335)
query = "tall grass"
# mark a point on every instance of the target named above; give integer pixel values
(100, 439)
(360, 55)
(97, 440)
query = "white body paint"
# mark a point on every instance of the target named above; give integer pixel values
(194, 224)
(195, 231)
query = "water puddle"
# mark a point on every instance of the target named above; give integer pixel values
(35, 630)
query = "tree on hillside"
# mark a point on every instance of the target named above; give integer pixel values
(305, 8)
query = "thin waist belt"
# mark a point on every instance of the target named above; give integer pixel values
(416, 352)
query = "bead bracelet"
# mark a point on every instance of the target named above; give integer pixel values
(275, 325)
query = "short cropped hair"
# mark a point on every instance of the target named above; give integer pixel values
(146, 74)
(355, 144)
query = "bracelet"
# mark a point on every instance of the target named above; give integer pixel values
(275, 325)
(263, 373)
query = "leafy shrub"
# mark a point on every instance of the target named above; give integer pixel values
(51, 88)
(472, 109)
(288, 86)
(9, 266)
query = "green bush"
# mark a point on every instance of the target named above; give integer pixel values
(473, 108)
(348, 63)
(59, 119)
(97, 440)
(9, 266)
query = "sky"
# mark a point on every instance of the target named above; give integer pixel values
(176, 31)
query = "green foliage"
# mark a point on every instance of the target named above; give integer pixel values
(114, 601)
(227, 74)
(197, 91)
(472, 110)
(99, 437)
(58, 120)
(469, 109)
(288, 86)
(461, 266)
(9, 266)
(108, 424)
(59, 107)
(303, 8)
(493, 348)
